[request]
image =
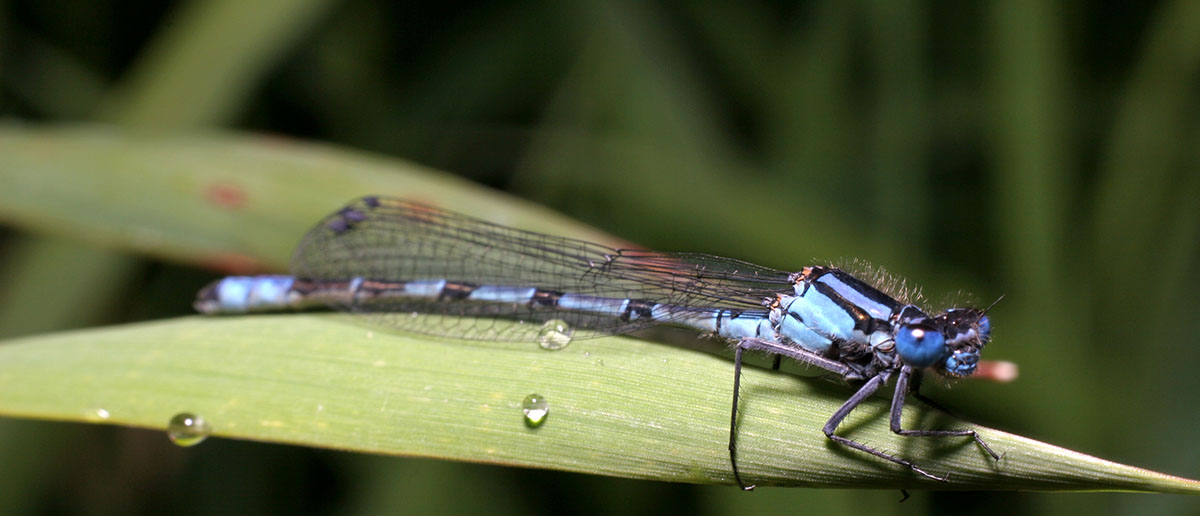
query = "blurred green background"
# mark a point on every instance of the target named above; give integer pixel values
(1042, 151)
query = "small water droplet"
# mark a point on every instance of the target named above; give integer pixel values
(535, 408)
(554, 335)
(187, 429)
(97, 414)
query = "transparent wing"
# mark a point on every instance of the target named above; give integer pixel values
(397, 240)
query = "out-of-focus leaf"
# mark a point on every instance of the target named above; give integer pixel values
(233, 202)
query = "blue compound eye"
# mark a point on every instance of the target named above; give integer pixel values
(962, 363)
(920, 345)
(985, 328)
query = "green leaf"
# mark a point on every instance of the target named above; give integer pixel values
(223, 200)
(211, 54)
(618, 406)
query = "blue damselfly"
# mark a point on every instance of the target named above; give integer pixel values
(425, 270)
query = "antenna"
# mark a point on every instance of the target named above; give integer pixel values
(993, 305)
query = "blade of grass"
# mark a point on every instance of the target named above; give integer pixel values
(53, 284)
(222, 200)
(618, 406)
(204, 63)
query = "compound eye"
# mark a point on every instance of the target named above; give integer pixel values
(920, 345)
(962, 363)
(985, 328)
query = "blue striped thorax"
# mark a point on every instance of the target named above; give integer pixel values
(841, 317)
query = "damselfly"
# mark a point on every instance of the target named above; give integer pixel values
(426, 270)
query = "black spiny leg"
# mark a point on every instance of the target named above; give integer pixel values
(737, 383)
(863, 393)
(902, 389)
(777, 349)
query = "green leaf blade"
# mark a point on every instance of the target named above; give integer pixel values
(222, 200)
(618, 406)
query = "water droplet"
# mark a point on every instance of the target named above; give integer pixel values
(535, 408)
(96, 414)
(188, 429)
(554, 335)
